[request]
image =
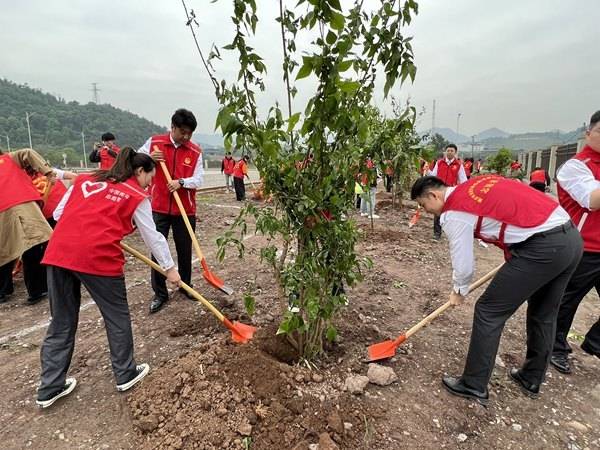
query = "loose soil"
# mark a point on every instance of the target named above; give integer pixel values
(206, 392)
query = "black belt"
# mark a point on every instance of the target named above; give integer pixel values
(558, 229)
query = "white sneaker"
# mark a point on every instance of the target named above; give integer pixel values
(142, 370)
(293, 309)
(70, 384)
(363, 214)
(373, 216)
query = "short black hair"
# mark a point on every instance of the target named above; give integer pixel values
(452, 146)
(594, 120)
(425, 184)
(184, 118)
(108, 137)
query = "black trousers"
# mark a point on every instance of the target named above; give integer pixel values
(437, 227)
(537, 272)
(34, 274)
(388, 183)
(240, 189)
(64, 292)
(183, 246)
(585, 277)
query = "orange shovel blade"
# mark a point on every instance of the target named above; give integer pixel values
(385, 349)
(240, 332)
(213, 279)
(414, 219)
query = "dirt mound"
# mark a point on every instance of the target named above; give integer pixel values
(228, 396)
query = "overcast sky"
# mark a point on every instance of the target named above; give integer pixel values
(517, 65)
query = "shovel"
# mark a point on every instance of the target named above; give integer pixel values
(387, 349)
(415, 218)
(210, 277)
(240, 332)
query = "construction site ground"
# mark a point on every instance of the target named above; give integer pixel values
(206, 392)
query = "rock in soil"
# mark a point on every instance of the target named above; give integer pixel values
(356, 384)
(381, 375)
(334, 422)
(326, 443)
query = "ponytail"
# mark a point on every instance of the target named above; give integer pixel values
(127, 162)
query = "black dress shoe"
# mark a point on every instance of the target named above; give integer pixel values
(561, 363)
(531, 390)
(588, 349)
(36, 298)
(456, 387)
(157, 303)
(4, 297)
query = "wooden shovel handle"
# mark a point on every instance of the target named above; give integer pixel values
(188, 289)
(427, 320)
(188, 225)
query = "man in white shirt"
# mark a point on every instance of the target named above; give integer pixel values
(452, 172)
(579, 193)
(542, 249)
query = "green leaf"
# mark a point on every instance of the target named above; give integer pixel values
(337, 21)
(331, 333)
(292, 121)
(345, 65)
(331, 37)
(249, 303)
(348, 86)
(304, 71)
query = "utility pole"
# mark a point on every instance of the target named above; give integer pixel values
(473, 147)
(457, 124)
(95, 90)
(433, 119)
(84, 155)
(27, 116)
(7, 141)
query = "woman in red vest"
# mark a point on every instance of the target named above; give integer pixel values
(227, 166)
(542, 249)
(23, 229)
(97, 212)
(579, 193)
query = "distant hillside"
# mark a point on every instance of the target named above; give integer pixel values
(491, 133)
(532, 141)
(449, 135)
(56, 124)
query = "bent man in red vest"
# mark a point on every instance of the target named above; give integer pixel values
(23, 229)
(106, 206)
(240, 171)
(579, 193)
(183, 159)
(227, 166)
(452, 172)
(542, 249)
(539, 179)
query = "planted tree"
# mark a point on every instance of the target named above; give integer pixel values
(500, 162)
(309, 155)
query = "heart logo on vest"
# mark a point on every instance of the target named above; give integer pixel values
(90, 188)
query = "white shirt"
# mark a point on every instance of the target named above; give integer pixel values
(577, 179)
(462, 175)
(197, 178)
(142, 217)
(459, 228)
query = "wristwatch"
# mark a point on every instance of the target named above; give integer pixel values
(181, 182)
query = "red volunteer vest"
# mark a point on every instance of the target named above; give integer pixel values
(15, 185)
(537, 176)
(228, 165)
(587, 221)
(501, 199)
(238, 170)
(448, 173)
(97, 216)
(106, 160)
(468, 165)
(56, 193)
(181, 162)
